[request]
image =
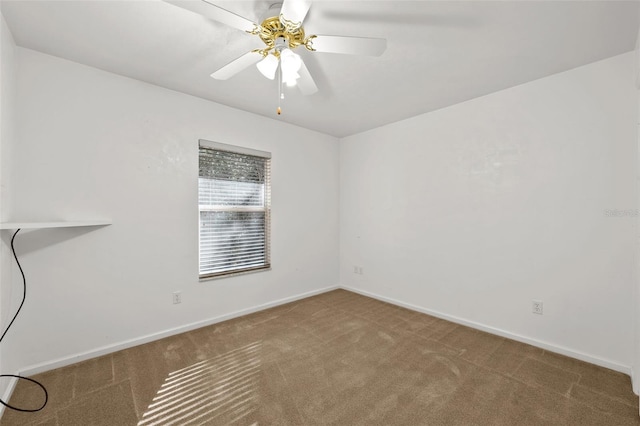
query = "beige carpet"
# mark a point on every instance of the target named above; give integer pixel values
(338, 358)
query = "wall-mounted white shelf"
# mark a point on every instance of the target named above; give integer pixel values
(60, 224)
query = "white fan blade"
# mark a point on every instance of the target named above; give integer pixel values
(293, 13)
(211, 11)
(305, 83)
(237, 65)
(349, 45)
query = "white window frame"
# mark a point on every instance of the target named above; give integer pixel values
(266, 208)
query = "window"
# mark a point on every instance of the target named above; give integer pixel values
(234, 203)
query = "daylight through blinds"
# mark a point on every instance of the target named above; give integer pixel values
(233, 196)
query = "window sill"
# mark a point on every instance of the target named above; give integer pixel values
(233, 274)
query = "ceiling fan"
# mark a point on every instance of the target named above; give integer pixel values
(281, 35)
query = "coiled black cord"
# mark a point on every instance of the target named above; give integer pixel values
(24, 297)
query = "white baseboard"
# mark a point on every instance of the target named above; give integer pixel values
(7, 394)
(534, 342)
(63, 362)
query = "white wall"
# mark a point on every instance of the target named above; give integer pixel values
(475, 210)
(95, 145)
(7, 103)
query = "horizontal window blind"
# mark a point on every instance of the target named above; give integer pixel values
(234, 204)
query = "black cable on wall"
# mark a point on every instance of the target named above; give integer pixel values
(24, 297)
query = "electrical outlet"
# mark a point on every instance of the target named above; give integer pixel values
(360, 270)
(177, 297)
(355, 269)
(536, 307)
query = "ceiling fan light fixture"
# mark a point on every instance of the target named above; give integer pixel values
(268, 66)
(290, 64)
(290, 79)
(290, 61)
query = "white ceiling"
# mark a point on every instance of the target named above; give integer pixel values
(438, 53)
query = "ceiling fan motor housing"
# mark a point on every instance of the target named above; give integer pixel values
(272, 32)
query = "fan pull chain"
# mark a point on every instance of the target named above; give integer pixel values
(280, 94)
